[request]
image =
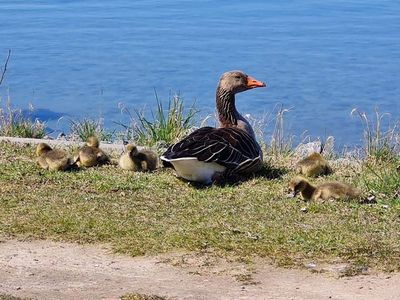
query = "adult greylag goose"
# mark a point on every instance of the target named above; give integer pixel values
(209, 153)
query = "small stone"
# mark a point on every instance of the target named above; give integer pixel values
(311, 265)
(304, 209)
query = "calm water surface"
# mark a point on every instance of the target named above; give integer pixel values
(319, 58)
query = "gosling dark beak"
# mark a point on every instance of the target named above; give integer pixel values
(254, 83)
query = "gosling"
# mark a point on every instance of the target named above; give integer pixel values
(325, 191)
(135, 160)
(313, 165)
(91, 155)
(52, 159)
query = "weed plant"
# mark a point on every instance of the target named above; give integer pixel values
(164, 126)
(15, 123)
(84, 128)
(380, 141)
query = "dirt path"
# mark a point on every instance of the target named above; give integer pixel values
(48, 270)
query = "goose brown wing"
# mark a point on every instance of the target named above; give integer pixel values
(230, 147)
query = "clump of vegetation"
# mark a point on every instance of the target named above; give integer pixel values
(84, 128)
(281, 144)
(10, 297)
(164, 126)
(378, 142)
(137, 296)
(382, 178)
(15, 123)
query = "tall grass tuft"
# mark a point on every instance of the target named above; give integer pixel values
(14, 123)
(281, 143)
(165, 125)
(378, 142)
(84, 128)
(382, 179)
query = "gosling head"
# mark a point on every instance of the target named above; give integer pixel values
(93, 141)
(42, 148)
(238, 81)
(297, 185)
(132, 149)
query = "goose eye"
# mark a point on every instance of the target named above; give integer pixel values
(237, 77)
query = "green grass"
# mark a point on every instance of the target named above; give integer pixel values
(9, 297)
(165, 125)
(14, 123)
(150, 213)
(137, 296)
(383, 177)
(86, 127)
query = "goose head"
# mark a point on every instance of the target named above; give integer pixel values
(132, 149)
(238, 81)
(297, 185)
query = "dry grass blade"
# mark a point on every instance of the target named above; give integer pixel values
(378, 142)
(281, 143)
(4, 69)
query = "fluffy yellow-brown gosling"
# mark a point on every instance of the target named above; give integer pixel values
(313, 165)
(52, 159)
(324, 191)
(91, 155)
(138, 160)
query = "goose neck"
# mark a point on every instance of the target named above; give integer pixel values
(226, 108)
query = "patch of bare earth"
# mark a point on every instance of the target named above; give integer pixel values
(49, 270)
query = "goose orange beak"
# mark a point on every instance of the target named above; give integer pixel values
(254, 83)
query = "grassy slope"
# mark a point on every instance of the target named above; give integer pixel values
(150, 213)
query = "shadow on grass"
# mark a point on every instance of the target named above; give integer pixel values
(270, 172)
(267, 172)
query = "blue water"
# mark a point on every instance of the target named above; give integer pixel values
(319, 58)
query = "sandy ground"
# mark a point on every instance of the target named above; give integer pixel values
(49, 270)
